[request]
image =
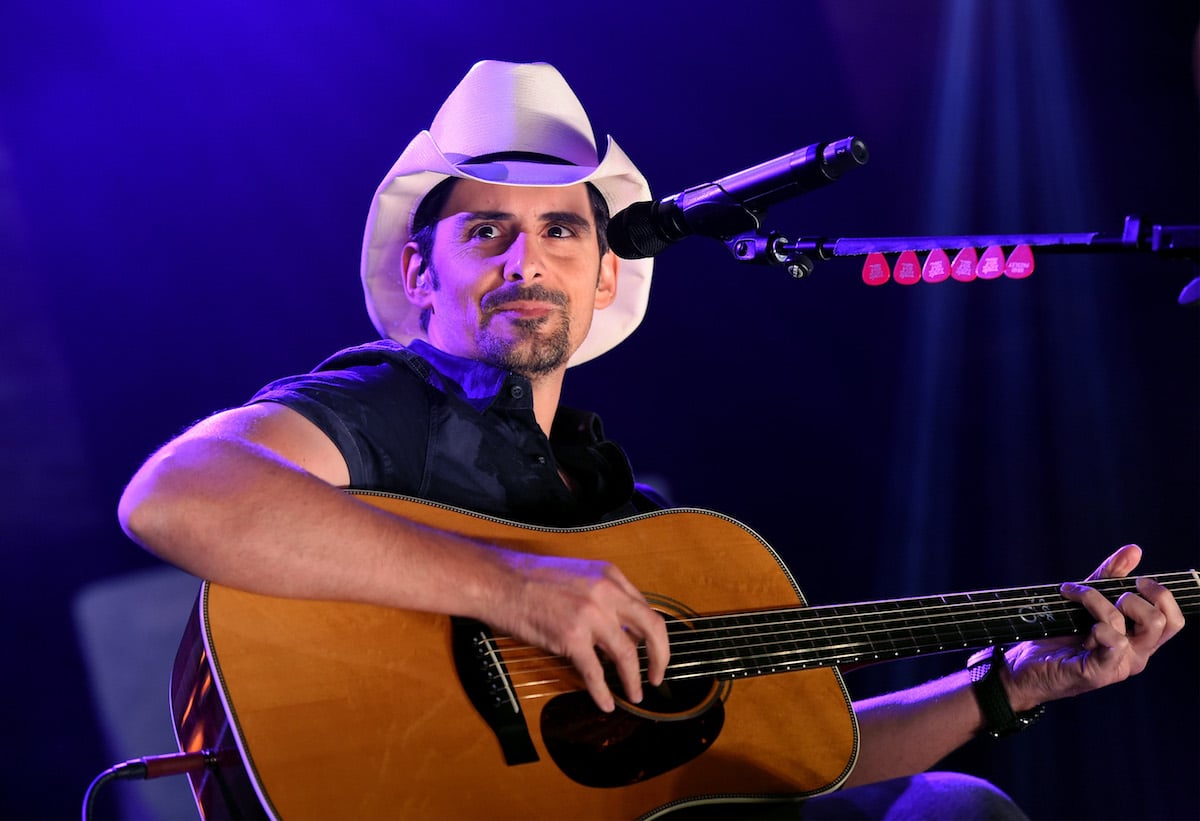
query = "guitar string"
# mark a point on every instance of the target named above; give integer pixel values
(883, 623)
(738, 637)
(745, 645)
(819, 620)
(567, 680)
(563, 678)
(679, 658)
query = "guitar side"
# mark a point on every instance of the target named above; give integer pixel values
(354, 710)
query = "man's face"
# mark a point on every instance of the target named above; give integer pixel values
(518, 273)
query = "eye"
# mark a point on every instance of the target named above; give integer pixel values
(559, 231)
(485, 231)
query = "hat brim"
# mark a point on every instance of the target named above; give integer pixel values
(423, 165)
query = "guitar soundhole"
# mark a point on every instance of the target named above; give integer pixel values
(674, 724)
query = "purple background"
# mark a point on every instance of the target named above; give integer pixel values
(182, 195)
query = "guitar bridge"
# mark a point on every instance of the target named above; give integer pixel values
(485, 680)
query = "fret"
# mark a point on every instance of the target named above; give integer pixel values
(932, 630)
(774, 644)
(828, 628)
(727, 654)
(884, 638)
(908, 641)
(946, 632)
(694, 651)
(1038, 617)
(804, 637)
(756, 643)
(741, 645)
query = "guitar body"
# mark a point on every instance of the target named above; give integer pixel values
(359, 711)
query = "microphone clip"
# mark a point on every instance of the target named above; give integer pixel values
(772, 248)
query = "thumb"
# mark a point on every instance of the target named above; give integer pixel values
(1121, 563)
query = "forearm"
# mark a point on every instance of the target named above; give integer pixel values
(236, 513)
(911, 730)
(250, 499)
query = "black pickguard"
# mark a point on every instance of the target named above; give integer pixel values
(598, 749)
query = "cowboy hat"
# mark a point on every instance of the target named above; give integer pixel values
(508, 109)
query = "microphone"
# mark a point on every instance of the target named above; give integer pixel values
(731, 205)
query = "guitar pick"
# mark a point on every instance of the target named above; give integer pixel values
(875, 270)
(1020, 263)
(991, 264)
(963, 267)
(937, 266)
(908, 269)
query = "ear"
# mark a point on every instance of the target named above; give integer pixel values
(606, 285)
(417, 284)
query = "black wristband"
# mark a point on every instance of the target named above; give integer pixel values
(999, 720)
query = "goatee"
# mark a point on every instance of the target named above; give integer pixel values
(537, 350)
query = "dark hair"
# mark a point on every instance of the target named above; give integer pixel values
(430, 208)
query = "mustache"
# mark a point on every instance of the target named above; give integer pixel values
(517, 292)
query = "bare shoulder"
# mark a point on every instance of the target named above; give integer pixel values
(281, 430)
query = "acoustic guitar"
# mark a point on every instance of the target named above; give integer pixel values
(334, 710)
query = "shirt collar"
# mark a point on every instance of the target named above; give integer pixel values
(477, 383)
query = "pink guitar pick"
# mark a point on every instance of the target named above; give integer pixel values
(963, 267)
(875, 270)
(991, 264)
(937, 266)
(1020, 263)
(908, 269)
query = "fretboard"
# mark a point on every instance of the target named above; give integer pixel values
(775, 641)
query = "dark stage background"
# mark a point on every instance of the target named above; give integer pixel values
(182, 194)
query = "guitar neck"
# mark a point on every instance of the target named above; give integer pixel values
(775, 641)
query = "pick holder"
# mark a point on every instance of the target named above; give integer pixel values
(754, 246)
(968, 265)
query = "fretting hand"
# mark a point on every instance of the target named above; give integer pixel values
(1124, 637)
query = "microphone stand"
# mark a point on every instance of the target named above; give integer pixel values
(1171, 241)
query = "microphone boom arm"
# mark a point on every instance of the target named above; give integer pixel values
(1178, 241)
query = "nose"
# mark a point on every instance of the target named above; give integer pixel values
(519, 259)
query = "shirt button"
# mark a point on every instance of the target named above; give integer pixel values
(541, 460)
(516, 391)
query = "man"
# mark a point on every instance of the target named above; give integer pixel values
(486, 267)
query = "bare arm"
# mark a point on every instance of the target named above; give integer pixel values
(911, 730)
(250, 499)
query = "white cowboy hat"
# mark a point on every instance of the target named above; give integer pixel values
(501, 108)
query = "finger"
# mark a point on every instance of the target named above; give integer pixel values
(1101, 609)
(1144, 621)
(650, 627)
(1106, 642)
(620, 648)
(589, 667)
(622, 652)
(658, 651)
(615, 575)
(1164, 600)
(1120, 563)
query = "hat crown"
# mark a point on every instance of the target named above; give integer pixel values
(502, 107)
